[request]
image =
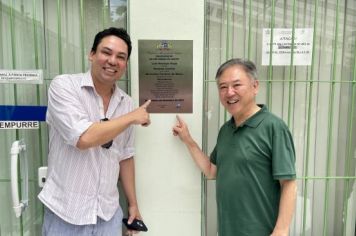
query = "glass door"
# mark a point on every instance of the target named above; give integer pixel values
(20, 49)
(53, 36)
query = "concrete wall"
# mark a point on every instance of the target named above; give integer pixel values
(168, 183)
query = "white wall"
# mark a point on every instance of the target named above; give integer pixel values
(167, 181)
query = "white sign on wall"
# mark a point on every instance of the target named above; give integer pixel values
(282, 46)
(19, 124)
(21, 76)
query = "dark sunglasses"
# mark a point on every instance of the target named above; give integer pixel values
(108, 144)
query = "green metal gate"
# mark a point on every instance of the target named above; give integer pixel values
(317, 101)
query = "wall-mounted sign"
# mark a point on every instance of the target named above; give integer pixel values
(21, 76)
(19, 124)
(21, 117)
(166, 75)
(282, 47)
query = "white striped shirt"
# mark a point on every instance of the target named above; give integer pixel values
(82, 184)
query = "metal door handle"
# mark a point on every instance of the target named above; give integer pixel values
(16, 148)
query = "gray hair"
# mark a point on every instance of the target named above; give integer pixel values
(248, 66)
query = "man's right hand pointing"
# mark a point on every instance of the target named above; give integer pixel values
(141, 116)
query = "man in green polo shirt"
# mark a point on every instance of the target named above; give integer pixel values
(253, 160)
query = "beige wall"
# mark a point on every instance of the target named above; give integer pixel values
(168, 183)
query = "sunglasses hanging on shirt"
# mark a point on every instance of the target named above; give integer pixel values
(108, 144)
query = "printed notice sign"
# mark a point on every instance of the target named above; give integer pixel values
(282, 47)
(21, 117)
(19, 124)
(21, 76)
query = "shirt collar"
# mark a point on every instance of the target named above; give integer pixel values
(254, 120)
(87, 81)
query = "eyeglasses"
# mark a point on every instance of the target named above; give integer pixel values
(108, 144)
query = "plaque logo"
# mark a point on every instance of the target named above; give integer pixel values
(164, 45)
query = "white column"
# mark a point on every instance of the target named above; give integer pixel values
(167, 181)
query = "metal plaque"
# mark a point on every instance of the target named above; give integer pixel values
(166, 75)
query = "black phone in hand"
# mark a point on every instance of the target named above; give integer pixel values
(136, 224)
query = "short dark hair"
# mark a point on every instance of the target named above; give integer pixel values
(118, 32)
(247, 65)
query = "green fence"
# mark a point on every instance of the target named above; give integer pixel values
(317, 100)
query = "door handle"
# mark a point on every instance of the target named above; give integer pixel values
(17, 148)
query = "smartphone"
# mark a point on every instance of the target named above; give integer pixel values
(137, 225)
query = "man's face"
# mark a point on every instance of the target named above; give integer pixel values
(237, 91)
(109, 62)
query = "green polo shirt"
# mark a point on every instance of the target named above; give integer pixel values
(250, 161)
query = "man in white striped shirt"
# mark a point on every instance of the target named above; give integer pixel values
(87, 155)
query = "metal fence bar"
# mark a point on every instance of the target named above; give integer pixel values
(307, 156)
(270, 67)
(327, 177)
(291, 68)
(128, 71)
(82, 20)
(228, 31)
(331, 122)
(59, 36)
(104, 12)
(14, 66)
(35, 39)
(205, 124)
(13, 47)
(37, 66)
(228, 39)
(249, 30)
(301, 81)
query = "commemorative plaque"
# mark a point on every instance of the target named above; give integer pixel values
(166, 75)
